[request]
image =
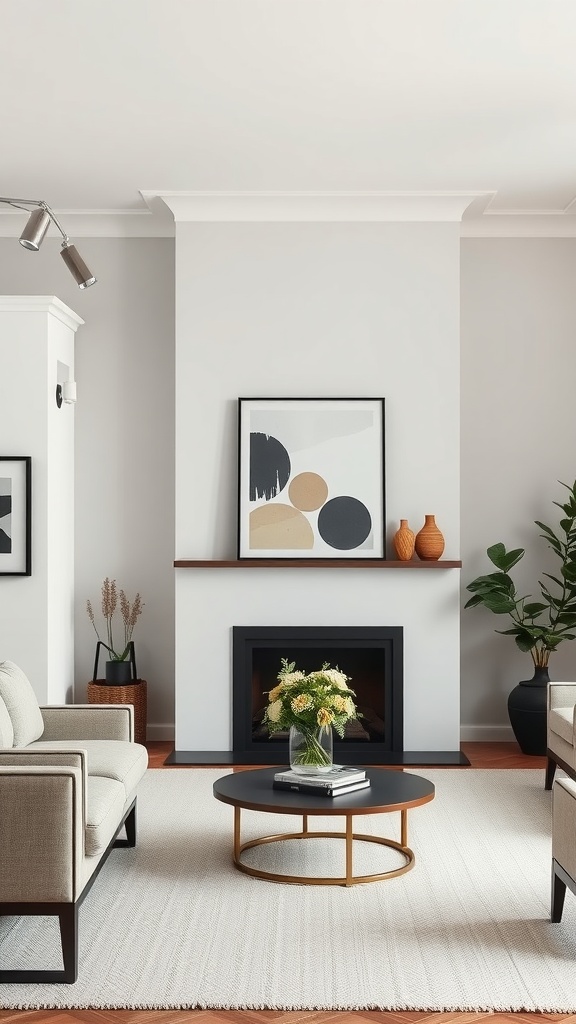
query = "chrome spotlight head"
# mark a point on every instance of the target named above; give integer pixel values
(36, 227)
(73, 260)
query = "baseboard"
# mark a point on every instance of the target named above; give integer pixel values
(160, 731)
(486, 734)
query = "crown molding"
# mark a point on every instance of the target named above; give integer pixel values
(521, 225)
(473, 210)
(41, 304)
(97, 223)
(330, 207)
(550, 211)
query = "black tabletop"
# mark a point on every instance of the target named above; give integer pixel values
(389, 790)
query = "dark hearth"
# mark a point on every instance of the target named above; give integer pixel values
(372, 656)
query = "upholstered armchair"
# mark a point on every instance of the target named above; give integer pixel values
(561, 730)
(563, 844)
(68, 778)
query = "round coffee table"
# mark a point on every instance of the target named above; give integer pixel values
(390, 790)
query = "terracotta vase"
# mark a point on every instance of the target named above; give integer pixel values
(404, 542)
(429, 541)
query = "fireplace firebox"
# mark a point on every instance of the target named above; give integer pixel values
(372, 657)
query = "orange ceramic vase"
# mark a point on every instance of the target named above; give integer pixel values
(429, 541)
(404, 542)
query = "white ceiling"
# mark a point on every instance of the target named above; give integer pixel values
(103, 99)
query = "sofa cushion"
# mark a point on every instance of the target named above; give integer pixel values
(21, 704)
(561, 721)
(6, 727)
(112, 759)
(105, 804)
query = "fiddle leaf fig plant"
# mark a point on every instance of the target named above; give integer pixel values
(537, 626)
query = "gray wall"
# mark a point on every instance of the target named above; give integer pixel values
(124, 438)
(518, 438)
(518, 420)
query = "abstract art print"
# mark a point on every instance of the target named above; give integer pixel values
(311, 478)
(15, 522)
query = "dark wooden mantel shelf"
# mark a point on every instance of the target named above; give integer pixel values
(311, 563)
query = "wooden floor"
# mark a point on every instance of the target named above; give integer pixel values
(481, 755)
(270, 1017)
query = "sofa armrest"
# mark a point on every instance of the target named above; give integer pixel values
(42, 811)
(561, 695)
(49, 758)
(88, 722)
(564, 825)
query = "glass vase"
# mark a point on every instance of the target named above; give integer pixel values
(311, 750)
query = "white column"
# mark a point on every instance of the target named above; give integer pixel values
(36, 612)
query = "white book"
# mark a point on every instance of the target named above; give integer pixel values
(301, 787)
(339, 775)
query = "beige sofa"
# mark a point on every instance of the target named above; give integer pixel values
(561, 730)
(68, 779)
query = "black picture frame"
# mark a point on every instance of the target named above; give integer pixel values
(15, 515)
(311, 478)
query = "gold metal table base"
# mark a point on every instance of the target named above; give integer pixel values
(349, 878)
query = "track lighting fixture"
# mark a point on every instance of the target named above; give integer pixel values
(36, 227)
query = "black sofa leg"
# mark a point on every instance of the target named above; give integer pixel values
(131, 827)
(550, 771)
(69, 936)
(68, 917)
(558, 894)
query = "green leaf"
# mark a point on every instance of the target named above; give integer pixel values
(493, 581)
(567, 618)
(566, 525)
(474, 601)
(509, 632)
(534, 608)
(566, 509)
(569, 572)
(525, 642)
(536, 632)
(503, 559)
(545, 528)
(551, 640)
(502, 580)
(499, 604)
(553, 578)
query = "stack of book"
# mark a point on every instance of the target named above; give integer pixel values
(342, 778)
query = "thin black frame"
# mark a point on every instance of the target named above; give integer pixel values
(353, 553)
(27, 460)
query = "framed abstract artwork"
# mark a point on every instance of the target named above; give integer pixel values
(15, 515)
(311, 478)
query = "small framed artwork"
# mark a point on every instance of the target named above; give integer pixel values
(15, 515)
(311, 478)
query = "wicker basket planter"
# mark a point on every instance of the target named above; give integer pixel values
(100, 692)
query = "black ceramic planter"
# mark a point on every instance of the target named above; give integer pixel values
(118, 673)
(527, 710)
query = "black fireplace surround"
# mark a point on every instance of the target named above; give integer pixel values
(372, 658)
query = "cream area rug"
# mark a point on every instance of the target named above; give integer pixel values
(173, 925)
